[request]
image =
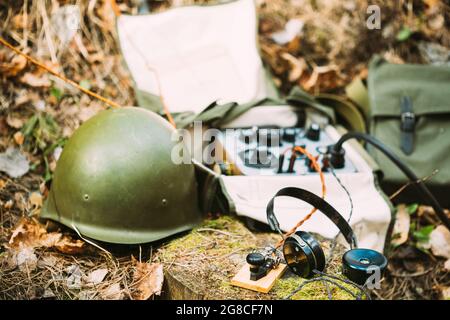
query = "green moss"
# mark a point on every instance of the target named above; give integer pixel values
(221, 223)
(227, 289)
(209, 242)
(188, 242)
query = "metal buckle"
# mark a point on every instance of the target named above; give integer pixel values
(408, 120)
(408, 116)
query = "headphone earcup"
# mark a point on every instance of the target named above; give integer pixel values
(359, 264)
(303, 254)
(317, 249)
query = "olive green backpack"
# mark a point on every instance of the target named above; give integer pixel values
(410, 112)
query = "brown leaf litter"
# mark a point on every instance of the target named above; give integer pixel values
(29, 235)
(11, 64)
(148, 279)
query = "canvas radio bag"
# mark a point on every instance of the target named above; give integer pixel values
(410, 112)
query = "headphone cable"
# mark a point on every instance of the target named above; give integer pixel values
(337, 153)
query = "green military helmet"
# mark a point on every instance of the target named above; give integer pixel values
(115, 180)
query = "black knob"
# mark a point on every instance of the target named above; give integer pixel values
(289, 135)
(255, 259)
(313, 132)
(337, 158)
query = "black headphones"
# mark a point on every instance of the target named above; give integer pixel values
(303, 253)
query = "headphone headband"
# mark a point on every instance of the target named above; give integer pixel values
(318, 203)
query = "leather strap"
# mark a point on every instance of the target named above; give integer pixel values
(318, 203)
(407, 124)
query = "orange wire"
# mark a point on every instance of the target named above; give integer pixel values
(324, 191)
(115, 8)
(71, 82)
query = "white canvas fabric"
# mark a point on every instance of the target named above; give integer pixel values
(281, 116)
(200, 54)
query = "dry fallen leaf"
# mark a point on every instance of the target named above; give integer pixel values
(19, 21)
(10, 68)
(85, 113)
(48, 294)
(95, 57)
(73, 281)
(19, 138)
(29, 234)
(50, 239)
(48, 261)
(52, 165)
(298, 65)
(321, 77)
(20, 201)
(87, 295)
(440, 242)
(24, 96)
(97, 276)
(70, 246)
(401, 226)
(424, 210)
(292, 29)
(15, 123)
(14, 162)
(437, 22)
(36, 81)
(148, 279)
(447, 265)
(393, 57)
(113, 292)
(35, 199)
(8, 204)
(431, 3)
(25, 259)
(446, 293)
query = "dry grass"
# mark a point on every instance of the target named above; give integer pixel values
(52, 279)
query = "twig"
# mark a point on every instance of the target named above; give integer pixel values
(216, 230)
(411, 275)
(71, 82)
(91, 242)
(396, 193)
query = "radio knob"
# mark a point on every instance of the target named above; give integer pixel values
(313, 132)
(289, 135)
